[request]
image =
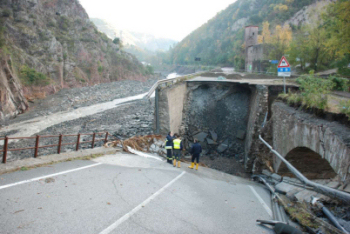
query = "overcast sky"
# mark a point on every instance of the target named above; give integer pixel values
(169, 19)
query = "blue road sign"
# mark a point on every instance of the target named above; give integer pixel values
(274, 61)
(283, 69)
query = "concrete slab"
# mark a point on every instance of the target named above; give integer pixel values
(222, 147)
(213, 135)
(244, 81)
(305, 195)
(200, 136)
(287, 188)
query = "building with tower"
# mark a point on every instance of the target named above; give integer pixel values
(254, 52)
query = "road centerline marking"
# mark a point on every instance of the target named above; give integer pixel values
(266, 207)
(114, 225)
(47, 176)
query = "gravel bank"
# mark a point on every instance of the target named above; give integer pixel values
(68, 99)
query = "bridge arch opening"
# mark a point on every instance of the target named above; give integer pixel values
(309, 163)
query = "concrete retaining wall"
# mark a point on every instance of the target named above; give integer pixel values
(170, 107)
(176, 97)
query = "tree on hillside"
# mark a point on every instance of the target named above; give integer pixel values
(278, 42)
(266, 34)
(118, 42)
(337, 24)
(299, 50)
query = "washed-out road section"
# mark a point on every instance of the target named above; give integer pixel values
(125, 193)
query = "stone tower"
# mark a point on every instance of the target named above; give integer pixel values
(251, 36)
(250, 40)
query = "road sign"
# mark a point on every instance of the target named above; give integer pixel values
(274, 61)
(283, 67)
(283, 62)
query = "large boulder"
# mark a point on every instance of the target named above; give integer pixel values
(201, 136)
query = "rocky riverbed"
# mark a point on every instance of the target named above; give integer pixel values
(123, 121)
(69, 99)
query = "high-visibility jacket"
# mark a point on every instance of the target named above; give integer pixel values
(177, 144)
(168, 146)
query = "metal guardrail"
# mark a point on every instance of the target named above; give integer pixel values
(175, 79)
(59, 145)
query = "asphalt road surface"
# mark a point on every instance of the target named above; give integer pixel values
(125, 193)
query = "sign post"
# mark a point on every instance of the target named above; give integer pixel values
(283, 69)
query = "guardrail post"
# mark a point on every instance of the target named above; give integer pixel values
(59, 144)
(6, 140)
(78, 141)
(93, 140)
(36, 146)
(106, 138)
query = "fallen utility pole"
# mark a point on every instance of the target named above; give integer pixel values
(329, 214)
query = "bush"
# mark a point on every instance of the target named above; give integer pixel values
(314, 91)
(118, 42)
(30, 76)
(100, 68)
(51, 23)
(341, 84)
(64, 23)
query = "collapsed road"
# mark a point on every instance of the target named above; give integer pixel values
(124, 193)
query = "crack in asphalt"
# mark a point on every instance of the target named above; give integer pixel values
(116, 190)
(142, 226)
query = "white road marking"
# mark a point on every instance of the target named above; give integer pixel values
(47, 176)
(267, 208)
(137, 208)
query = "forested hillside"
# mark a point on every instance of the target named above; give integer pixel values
(306, 31)
(220, 40)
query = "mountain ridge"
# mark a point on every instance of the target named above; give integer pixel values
(53, 45)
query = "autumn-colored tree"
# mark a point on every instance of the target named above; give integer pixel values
(266, 32)
(279, 41)
(338, 25)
